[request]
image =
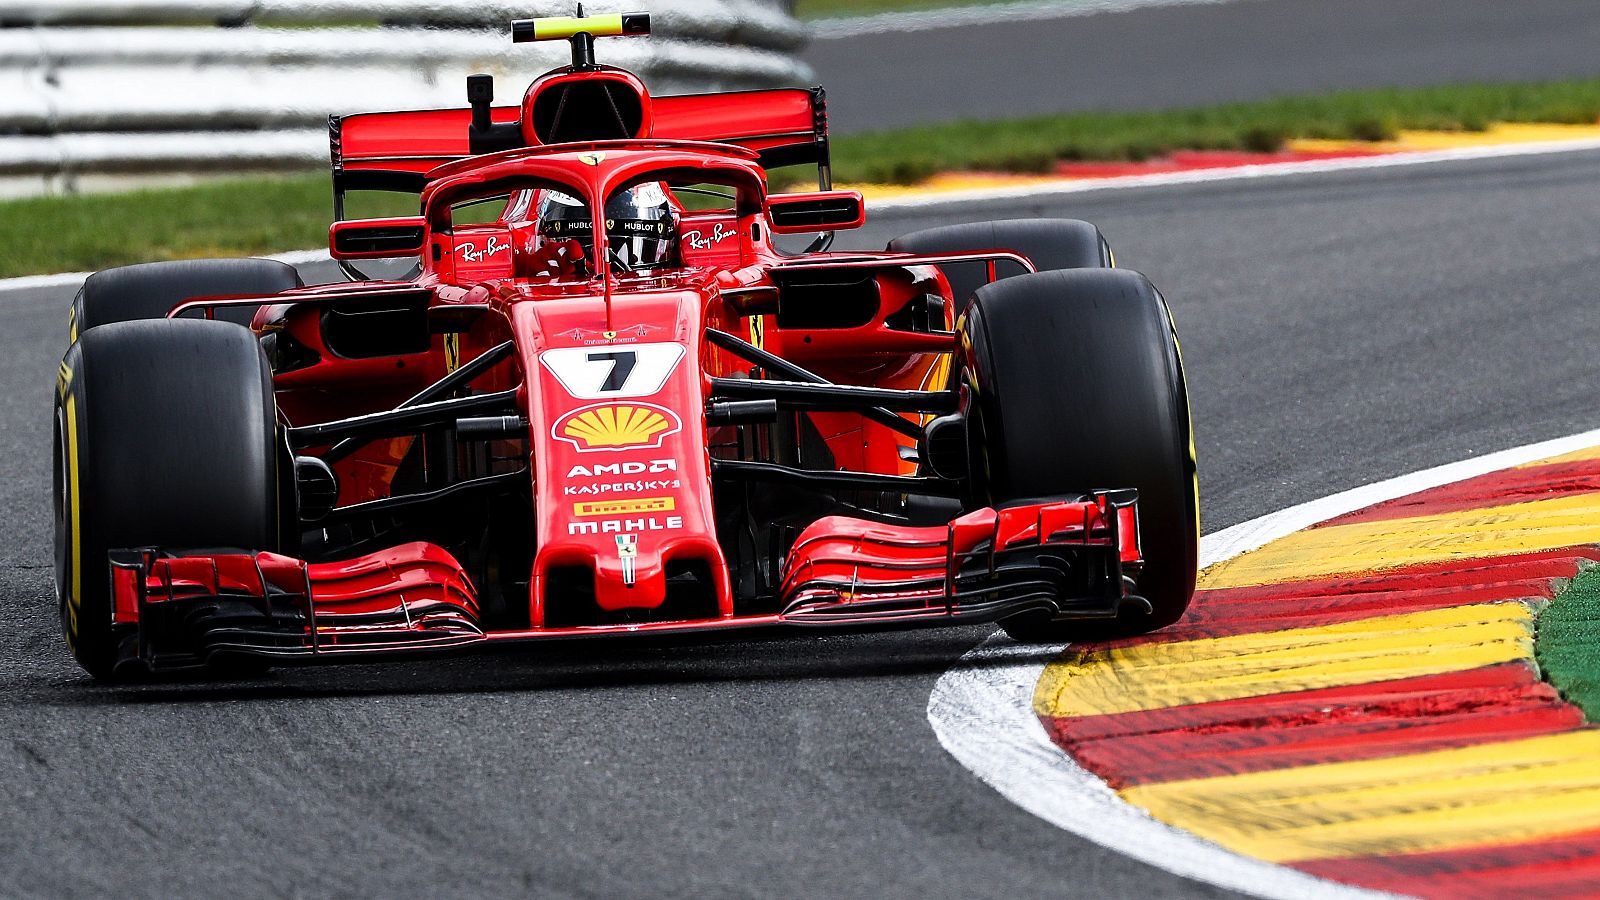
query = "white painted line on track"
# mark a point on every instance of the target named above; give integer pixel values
(73, 279)
(968, 16)
(1247, 536)
(301, 257)
(982, 710)
(38, 282)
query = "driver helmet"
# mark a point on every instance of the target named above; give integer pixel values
(641, 225)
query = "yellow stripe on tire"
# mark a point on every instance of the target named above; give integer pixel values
(75, 545)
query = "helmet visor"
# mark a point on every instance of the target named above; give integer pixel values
(564, 217)
(641, 228)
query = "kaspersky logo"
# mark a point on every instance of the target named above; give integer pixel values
(617, 426)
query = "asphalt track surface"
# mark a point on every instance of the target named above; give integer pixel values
(1338, 329)
(1194, 55)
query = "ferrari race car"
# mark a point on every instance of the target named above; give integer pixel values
(606, 402)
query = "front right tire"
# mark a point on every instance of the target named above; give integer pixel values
(165, 436)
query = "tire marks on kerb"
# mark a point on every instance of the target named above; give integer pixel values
(982, 710)
(1502, 766)
(1355, 722)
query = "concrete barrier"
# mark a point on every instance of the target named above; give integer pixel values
(92, 93)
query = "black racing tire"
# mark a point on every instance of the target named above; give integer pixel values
(165, 436)
(1050, 244)
(1077, 384)
(151, 290)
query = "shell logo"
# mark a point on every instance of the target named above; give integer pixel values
(617, 426)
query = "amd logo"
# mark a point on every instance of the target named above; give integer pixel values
(602, 470)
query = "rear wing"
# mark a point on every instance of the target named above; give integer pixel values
(394, 151)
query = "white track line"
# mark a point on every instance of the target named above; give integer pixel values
(982, 711)
(302, 257)
(937, 202)
(38, 282)
(964, 17)
(73, 279)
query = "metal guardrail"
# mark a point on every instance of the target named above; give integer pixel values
(136, 88)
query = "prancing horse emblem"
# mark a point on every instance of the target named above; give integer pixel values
(592, 159)
(628, 554)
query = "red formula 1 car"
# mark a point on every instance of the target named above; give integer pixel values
(605, 403)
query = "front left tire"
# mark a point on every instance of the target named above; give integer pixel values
(1077, 385)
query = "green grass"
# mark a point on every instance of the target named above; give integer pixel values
(265, 215)
(236, 217)
(1568, 643)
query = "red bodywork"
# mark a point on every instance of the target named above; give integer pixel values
(621, 477)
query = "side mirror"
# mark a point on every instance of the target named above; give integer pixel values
(816, 211)
(377, 238)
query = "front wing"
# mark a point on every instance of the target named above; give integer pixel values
(1070, 559)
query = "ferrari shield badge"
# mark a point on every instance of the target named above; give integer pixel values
(628, 553)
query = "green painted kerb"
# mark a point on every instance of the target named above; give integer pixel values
(1568, 643)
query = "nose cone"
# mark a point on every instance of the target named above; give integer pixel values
(623, 491)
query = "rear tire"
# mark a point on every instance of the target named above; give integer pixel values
(151, 290)
(1050, 244)
(166, 436)
(1077, 385)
